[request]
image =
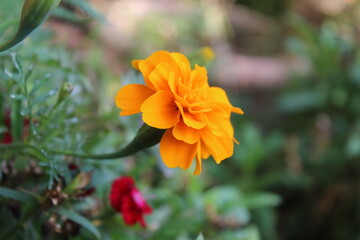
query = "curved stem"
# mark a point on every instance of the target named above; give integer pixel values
(127, 151)
(146, 137)
(36, 152)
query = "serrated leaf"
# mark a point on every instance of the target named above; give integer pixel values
(17, 63)
(19, 97)
(43, 97)
(15, 195)
(38, 84)
(80, 220)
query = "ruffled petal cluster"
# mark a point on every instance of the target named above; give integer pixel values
(179, 99)
(126, 199)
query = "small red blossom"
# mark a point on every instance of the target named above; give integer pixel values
(126, 199)
(73, 166)
(6, 137)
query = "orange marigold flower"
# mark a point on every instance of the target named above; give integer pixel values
(179, 99)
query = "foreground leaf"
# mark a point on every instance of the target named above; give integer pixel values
(80, 220)
(33, 14)
(15, 195)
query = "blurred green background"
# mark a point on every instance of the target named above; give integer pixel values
(292, 66)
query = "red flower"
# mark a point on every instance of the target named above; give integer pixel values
(126, 199)
(6, 137)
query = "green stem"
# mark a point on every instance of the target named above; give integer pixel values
(146, 137)
(36, 152)
(127, 151)
(21, 223)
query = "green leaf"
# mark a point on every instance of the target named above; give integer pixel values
(38, 84)
(43, 97)
(247, 233)
(352, 146)
(80, 220)
(33, 14)
(302, 101)
(15, 195)
(227, 201)
(261, 199)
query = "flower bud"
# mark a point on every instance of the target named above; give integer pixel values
(65, 90)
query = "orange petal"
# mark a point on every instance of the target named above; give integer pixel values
(216, 117)
(135, 64)
(161, 75)
(183, 64)
(204, 151)
(220, 147)
(228, 128)
(160, 111)
(149, 64)
(180, 59)
(237, 110)
(198, 159)
(199, 78)
(175, 153)
(190, 119)
(184, 133)
(216, 94)
(130, 97)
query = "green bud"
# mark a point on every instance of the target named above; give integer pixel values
(33, 14)
(65, 90)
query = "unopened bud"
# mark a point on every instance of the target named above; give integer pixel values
(65, 90)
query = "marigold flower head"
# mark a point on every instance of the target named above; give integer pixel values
(126, 199)
(179, 99)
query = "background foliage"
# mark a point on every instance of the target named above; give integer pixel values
(295, 174)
